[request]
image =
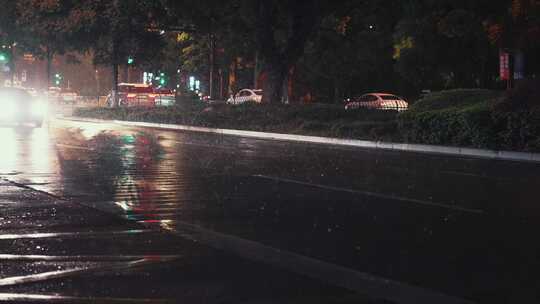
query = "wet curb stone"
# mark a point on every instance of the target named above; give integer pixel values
(418, 148)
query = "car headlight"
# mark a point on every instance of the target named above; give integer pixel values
(39, 108)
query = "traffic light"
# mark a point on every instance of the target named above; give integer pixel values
(58, 79)
(162, 79)
(4, 57)
(130, 60)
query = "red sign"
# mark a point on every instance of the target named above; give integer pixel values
(504, 59)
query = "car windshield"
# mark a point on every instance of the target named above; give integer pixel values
(390, 97)
(140, 90)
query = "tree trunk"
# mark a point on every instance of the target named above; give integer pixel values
(220, 73)
(511, 80)
(232, 78)
(126, 74)
(337, 92)
(256, 71)
(273, 86)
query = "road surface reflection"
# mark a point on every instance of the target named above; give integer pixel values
(423, 219)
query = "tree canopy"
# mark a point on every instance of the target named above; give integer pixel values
(329, 49)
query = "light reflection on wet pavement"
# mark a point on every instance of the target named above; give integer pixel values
(459, 226)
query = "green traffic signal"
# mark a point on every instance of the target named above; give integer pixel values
(3, 57)
(130, 60)
(57, 79)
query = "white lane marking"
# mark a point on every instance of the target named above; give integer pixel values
(45, 235)
(38, 298)
(372, 194)
(100, 269)
(84, 258)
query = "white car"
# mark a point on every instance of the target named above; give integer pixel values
(32, 92)
(54, 92)
(378, 101)
(246, 95)
(69, 96)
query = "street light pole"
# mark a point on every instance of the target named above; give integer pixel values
(212, 64)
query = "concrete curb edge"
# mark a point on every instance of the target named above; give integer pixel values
(419, 148)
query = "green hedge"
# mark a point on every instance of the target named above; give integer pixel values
(313, 119)
(458, 98)
(474, 118)
(470, 126)
(471, 118)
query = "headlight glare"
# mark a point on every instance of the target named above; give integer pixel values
(8, 110)
(39, 108)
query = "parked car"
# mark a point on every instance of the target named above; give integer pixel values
(68, 96)
(54, 92)
(164, 97)
(378, 101)
(246, 95)
(32, 92)
(19, 107)
(134, 94)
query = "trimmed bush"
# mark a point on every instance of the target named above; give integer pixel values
(469, 126)
(456, 117)
(472, 118)
(314, 119)
(517, 117)
(454, 99)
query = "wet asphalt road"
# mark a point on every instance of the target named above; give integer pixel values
(462, 227)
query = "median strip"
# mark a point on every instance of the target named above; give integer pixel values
(364, 144)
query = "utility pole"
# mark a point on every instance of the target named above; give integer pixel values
(114, 92)
(49, 64)
(114, 57)
(510, 81)
(212, 38)
(98, 87)
(212, 64)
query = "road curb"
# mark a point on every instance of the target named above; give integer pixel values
(406, 147)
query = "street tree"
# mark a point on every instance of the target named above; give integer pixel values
(282, 29)
(46, 29)
(515, 28)
(351, 52)
(444, 44)
(213, 34)
(117, 30)
(279, 30)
